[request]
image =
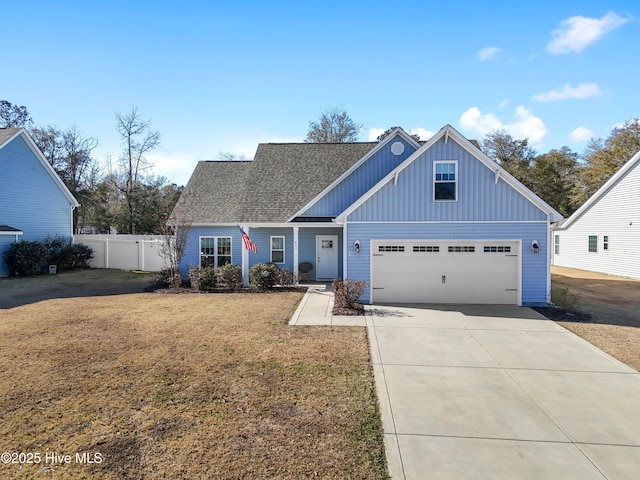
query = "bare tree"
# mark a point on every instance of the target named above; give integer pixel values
(230, 156)
(48, 141)
(133, 165)
(173, 245)
(335, 125)
(13, 115)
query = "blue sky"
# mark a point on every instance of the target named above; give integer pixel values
(218, 76)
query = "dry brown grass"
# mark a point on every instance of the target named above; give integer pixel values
(186, 386)
(613, 304)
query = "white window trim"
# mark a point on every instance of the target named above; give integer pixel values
(595, 244)
(271, 250)
(215, 248)
(433, 180)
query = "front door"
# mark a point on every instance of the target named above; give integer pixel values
(326, 257)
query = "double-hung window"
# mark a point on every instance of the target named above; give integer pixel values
(277, 249)
(445, 181)
(593, 243)
(557, 244)
(215, 251)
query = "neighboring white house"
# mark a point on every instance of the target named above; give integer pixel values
(603, 235)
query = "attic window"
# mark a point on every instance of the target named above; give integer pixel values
(445, 181)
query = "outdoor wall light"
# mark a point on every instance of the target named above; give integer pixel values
(535, 247)
(356, 246)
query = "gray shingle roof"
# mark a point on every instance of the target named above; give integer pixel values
(7, 133)
(281, 179)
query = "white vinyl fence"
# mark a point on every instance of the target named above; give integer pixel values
(124, 252)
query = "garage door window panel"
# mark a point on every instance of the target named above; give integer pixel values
(445, 181)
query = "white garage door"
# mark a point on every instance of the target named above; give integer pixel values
(445, 272)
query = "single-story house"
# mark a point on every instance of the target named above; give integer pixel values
(603, 235)
(421, 222)
(34, 202)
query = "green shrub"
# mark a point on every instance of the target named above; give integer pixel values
(58, 252)
(169, 277)
(80, 256)
(202, 278)
(263, 276)
(286, 277)
(346, 294)
(231, 275)
(26, 258)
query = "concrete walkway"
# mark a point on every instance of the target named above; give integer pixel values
(494, 392)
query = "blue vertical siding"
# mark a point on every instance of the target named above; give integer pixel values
(30, 199)
(360, 180)
(192, 251)
(480, 198)
(534, 266)
(262, 237)
(307, 246)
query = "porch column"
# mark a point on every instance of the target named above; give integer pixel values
(245, 260)
(295, 253)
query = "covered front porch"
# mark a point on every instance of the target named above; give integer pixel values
(313, 252)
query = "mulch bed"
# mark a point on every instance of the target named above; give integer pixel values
(191, 291)
(558, 314)
(355, 310)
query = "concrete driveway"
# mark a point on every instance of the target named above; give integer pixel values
(488, 392)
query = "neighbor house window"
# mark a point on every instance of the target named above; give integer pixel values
(593, 243)
(445, 184)
(557, 244)
(277, 249)
(605, 243)
(215, 251)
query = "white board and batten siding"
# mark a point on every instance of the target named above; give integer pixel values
(614, 216)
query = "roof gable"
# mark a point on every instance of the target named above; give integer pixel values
(361, 176)
(618, 177)
(270, 189)
(494, 174)
(8, 135)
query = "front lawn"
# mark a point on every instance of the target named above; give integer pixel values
(185, 386)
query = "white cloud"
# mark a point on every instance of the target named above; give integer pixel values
(524, 124)
(576, 33)
(480, 124)
(584, 90)
(424, 134)
(374, 133)
(504, 103)
(488, 53)
(581, 134)
(527, 125)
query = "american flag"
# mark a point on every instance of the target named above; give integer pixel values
(248, 243)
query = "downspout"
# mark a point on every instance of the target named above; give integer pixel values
(549, 246)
